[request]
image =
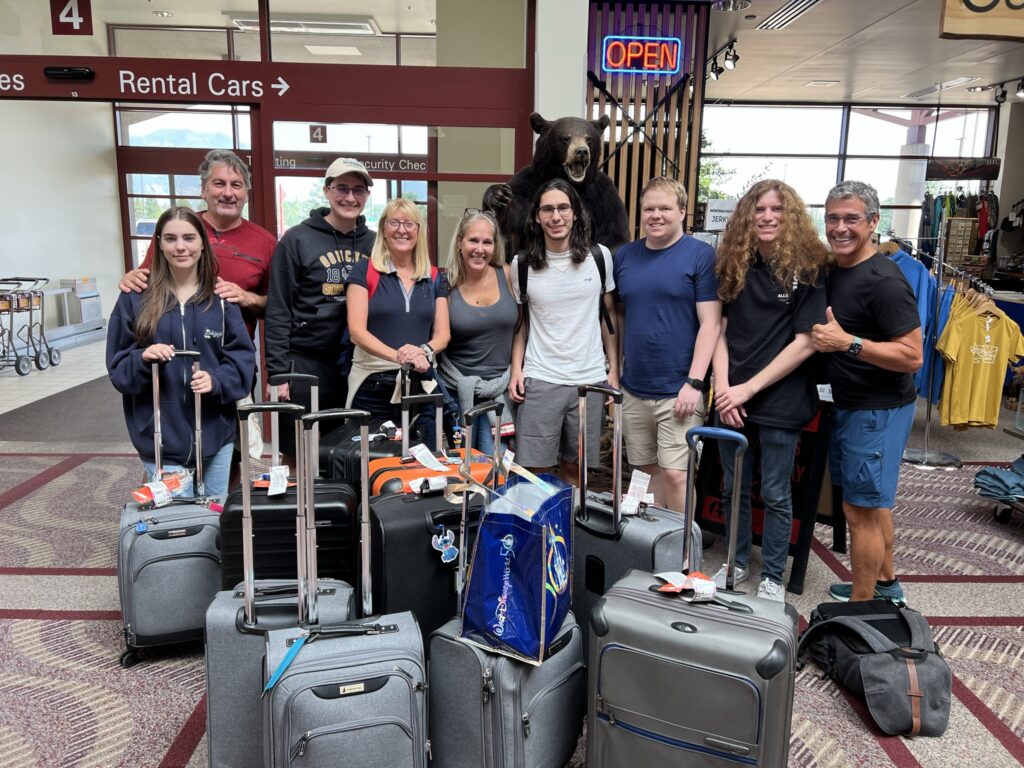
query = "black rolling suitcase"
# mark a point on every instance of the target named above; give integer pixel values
(690, 684)
(605, 545)
(239, 618)
(492, 710)
(336, 503)
(407, 570)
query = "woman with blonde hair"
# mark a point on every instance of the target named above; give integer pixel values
(483, 315)
(397, 313)
(771, 276)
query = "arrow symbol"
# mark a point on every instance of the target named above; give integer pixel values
(280, 86)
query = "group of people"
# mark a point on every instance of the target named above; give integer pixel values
(354, 307)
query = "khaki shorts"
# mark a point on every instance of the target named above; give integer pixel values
(653, 435)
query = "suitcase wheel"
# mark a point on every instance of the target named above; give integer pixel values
(129, 658)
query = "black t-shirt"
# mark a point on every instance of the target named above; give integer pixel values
(872, 300)
(763, 319)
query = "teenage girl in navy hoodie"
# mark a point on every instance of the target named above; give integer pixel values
(179, 310)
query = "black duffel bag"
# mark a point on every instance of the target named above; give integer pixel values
(886, 655)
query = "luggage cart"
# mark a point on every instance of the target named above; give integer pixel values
(10, 299)
(29, 297)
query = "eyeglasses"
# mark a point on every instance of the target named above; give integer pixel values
(549, 210)
(399, 224)
(357, 192)
(851, 221)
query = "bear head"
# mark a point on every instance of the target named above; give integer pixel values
(570, 144)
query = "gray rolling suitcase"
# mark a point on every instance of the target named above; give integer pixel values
(238, 620)
(605, 545)
(168, 558)
(490, 710)
(690, 684)
(351, 694)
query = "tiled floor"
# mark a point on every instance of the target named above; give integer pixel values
(78, 365)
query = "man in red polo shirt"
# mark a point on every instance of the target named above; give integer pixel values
(243, 249)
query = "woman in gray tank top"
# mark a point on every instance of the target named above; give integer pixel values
(483, 316)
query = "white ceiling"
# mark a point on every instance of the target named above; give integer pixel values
(878, 50)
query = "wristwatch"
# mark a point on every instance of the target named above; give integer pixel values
(429, 352)
(855, 346)
(697, 384)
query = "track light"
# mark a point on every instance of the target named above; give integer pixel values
(716, 70)
(731, 57)
(1020, 88)
(1000, 94)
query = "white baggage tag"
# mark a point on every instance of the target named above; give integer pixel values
(161, 494)
(423, 455)
(278, 480)
(637, 492)
(435, 484)
(825, 393)
(692, 589)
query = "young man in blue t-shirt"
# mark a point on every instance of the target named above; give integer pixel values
(669, 319)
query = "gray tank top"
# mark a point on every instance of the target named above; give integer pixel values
(481, 343)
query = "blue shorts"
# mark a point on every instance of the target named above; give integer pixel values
(865, 453)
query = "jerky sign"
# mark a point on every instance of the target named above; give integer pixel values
(212, 85)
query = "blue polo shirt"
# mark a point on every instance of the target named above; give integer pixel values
(397, 318)
(659, 290)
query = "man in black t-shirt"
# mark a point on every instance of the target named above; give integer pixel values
(873, 337)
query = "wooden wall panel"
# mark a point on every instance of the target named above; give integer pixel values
(655, 128)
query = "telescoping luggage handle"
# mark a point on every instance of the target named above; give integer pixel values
(468, 418)
(690, 506)
(616, 396)
(276, 381)
(306, 494)
(198, 488)
(248, 566)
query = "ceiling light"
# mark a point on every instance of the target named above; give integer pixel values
(821, 84)
(979, 88)
(1020, 88)
(936, 87)
(333, 50)
(731, 57)
(163, 14)
(1000, 94)
(731, 5)
(716, 71)
(311, 25)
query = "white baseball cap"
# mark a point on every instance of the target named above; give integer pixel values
(344, 165)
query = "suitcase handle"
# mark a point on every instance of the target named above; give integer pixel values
(407, 402)
(689, 508)
(314, 405)
(306, 500)
(248, 566)
(158, 431)
(468, 418)
(583, 516)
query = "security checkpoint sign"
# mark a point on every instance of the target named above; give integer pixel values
(718, 214)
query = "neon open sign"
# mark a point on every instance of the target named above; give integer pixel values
(642, 55)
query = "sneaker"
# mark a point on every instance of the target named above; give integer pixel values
(893, 593)
(771, 590)
(740, 574)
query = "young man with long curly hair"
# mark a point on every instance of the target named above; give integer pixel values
(771, 274)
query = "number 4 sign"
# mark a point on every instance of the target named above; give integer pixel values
(71, 17)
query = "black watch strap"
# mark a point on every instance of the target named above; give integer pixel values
(697, 384)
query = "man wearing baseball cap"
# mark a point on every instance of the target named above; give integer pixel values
(305, 317)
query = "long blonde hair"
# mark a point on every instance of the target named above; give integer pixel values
(456, 267)
(799, 253)
(380, 256)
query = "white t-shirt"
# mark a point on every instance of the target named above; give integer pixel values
(564, 343)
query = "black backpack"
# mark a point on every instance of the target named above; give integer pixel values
(886, 655)
(524, 273)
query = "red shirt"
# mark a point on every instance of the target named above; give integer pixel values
(243, 257)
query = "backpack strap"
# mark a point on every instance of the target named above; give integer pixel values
(602, 310)
(372, 279)
(920, 633)
(876, 641)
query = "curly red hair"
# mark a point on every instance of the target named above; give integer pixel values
(799, 252)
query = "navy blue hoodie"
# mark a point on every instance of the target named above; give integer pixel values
(218, 332)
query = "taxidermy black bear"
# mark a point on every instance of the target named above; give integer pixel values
(567, 148)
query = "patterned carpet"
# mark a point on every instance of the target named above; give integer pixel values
(65, 701)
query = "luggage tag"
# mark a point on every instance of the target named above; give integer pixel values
(424, 456)
(161, 493)
(278, 480)
(428, 486)
(637, 493)
(445, 544)
(692, 588)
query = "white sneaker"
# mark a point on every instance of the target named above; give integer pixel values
(740, 574)
(770, 590)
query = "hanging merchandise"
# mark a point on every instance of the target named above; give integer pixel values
(923, 285)
(978, 343)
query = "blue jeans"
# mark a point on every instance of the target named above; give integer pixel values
(215, 474)
(374, 395)
(778, 450)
